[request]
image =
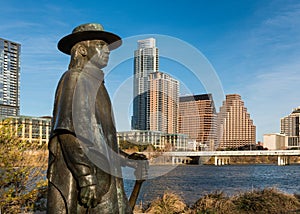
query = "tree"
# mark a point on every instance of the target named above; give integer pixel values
(138, 147)
(22, 172)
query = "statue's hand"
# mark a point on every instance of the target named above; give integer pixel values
(137, 156)
(88, 196)
(141, 172)
(141, 165)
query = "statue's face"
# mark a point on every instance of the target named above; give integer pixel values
(98, 53)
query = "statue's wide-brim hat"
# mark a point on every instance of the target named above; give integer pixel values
(90, 31)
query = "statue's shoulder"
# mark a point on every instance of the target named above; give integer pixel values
(70, 75)
(68, 80)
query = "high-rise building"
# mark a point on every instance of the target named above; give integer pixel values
(9, 78)
(289, 126)
(155, 104)
(197, 118)
(234, 126)
(146, 61)
(163, 98)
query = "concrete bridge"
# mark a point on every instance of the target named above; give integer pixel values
(223, 157)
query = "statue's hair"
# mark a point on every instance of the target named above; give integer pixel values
(77, 60)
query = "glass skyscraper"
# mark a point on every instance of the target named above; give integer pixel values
(156, 94)
(146, 61)
(9, 78)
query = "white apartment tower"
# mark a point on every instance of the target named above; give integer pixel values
(146, 61)
(9, 78)
(156, 94)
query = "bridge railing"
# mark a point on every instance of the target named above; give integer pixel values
(235, 153)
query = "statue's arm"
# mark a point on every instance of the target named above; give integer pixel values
(81, 167)
(133, 156)
(137, 161)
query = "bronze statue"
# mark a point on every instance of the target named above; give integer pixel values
(84, 170)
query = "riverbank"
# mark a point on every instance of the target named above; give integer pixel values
(265, 201)
(251, 160)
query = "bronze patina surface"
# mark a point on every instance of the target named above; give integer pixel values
(84, 170)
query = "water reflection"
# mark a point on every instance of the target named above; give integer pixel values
(192, 182)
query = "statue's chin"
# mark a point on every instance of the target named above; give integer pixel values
(102, 65)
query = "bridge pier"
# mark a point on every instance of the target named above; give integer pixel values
(174, 160)
(283, 160)
(180, 160)
(219, 161)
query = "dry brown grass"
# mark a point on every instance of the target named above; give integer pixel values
(169, 203)
(267, 201)
(264, 201)
(215, 202)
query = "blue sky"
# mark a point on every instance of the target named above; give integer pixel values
(253, 46)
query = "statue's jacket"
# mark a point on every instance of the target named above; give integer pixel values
(83, 109)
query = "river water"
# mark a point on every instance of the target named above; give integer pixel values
(194, 181)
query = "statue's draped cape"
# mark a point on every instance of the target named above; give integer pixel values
(83, 108)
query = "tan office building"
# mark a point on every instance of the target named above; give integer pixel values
(164, 99)
(234, 126)
(197, 118)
